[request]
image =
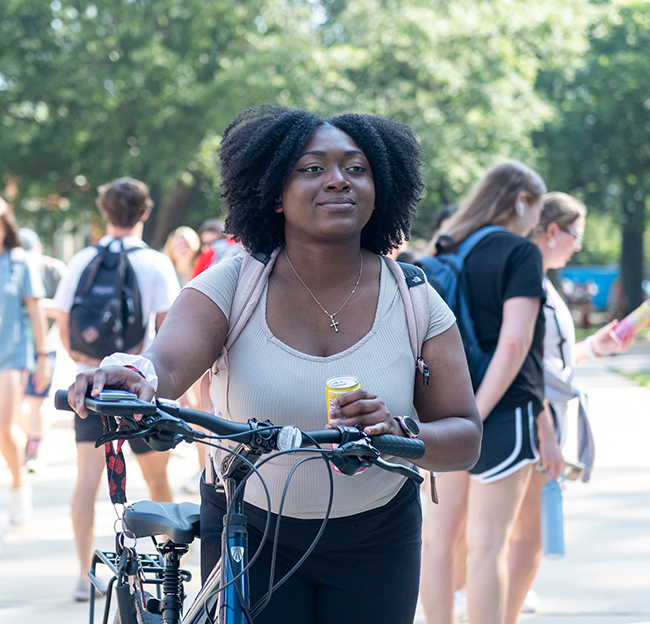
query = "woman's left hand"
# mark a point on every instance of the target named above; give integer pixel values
(552, 460)
(365, 409)
(604, 344)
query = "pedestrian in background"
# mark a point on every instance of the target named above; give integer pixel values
(558, 236)
(21, 287)
(182, 247)
(51, 270)
(125, 204)
(505, 292)
(215, 245)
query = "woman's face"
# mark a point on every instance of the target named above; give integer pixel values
(567, 241)
(180, 247)
(330, 194)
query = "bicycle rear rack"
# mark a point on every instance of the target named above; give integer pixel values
(152, 566)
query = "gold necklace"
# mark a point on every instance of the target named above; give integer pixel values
(334, 323)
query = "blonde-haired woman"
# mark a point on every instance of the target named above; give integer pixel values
(182, 248)
(503, 279)
(558, 236)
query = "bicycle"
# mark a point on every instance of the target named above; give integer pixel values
(224, 597)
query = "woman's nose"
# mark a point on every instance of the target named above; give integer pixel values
(336, 179)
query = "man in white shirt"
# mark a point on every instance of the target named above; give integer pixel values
(125, 204)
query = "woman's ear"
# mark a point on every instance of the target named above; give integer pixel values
(278, 205)
(552, 229)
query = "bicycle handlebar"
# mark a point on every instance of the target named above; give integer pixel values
(166, 423)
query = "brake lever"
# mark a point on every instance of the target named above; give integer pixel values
(358, 448)
(150, 426)
(405, 471)
(169, 424)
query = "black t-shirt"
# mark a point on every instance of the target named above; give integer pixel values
(501, 266)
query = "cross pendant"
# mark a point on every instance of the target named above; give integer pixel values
(334, 323)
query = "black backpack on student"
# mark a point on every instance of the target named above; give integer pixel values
(106, 314)
(445, 273)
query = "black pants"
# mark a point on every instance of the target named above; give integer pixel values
(365, 569)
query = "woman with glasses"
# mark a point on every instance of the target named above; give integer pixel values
(558, 236)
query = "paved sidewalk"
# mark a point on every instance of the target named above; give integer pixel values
(603, 579)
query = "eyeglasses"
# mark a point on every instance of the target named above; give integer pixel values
(578, 238)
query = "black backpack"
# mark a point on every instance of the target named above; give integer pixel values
(106, 314)
(445, 273)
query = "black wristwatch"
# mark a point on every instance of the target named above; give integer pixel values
(408, 425)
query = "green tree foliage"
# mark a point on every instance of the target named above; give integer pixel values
(461, 72)
(599, 144)
(97, 91)
(90, 92)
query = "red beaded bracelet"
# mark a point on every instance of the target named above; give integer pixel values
(137, 370)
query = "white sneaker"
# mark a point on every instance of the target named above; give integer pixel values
(35, 465)
(460, 606)
(20, 504)
(531, 602)
(82, 591)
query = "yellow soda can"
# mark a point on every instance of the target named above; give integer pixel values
(336, 386)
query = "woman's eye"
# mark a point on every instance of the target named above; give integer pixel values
(357, 168)
(310, 169)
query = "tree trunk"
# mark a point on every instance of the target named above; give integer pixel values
(169, 213)
(632, 262)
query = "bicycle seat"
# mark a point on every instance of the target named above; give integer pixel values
(180, 521)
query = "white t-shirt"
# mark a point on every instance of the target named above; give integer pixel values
(270, 380)
(154, 271)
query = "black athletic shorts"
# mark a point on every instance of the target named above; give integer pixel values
(509, 443)
(365, 568)
(90, 429)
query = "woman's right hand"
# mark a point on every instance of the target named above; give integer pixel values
(92, 382)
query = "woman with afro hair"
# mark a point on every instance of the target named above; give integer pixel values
(326, 198)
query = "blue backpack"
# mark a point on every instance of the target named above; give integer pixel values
(445, 273)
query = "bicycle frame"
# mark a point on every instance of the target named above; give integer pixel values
(230, 578)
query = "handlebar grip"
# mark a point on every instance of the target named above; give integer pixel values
(408, 448)
(61, 401)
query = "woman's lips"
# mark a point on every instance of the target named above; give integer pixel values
(337, 204)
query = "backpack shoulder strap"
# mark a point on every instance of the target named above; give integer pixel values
(253, 276)
(416, 301)
(473, 239)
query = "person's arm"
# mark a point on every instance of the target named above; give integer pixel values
(549, 449)
(47, 305)
(42, 372)
(515, 340)
(450, 425)
(189, 341)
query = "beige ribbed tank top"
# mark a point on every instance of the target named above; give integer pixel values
(269, 380)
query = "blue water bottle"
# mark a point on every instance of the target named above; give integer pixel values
(552, 520)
